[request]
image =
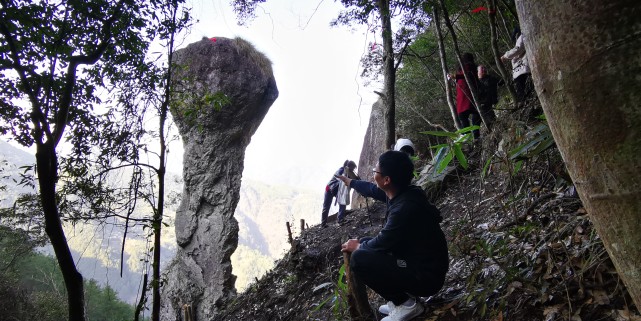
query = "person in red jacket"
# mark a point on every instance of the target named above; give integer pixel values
(464, 102)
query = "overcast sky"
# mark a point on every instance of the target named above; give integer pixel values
(321, 114)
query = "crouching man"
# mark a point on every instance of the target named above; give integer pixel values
(408, 258)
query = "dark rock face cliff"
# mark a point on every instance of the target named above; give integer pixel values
(215, 130)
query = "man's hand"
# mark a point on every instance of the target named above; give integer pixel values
(350, 246)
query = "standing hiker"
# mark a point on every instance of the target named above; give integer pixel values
(487, 93)
(520, 66)
(332, 189)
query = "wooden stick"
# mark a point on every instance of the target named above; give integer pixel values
(289, 233)
(359, 308)
(302, 225)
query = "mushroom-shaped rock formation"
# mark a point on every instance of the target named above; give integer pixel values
(222, 90)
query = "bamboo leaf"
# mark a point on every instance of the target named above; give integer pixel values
(439, 146)
(460, 156)
(446, 161)
(467, 129)
(523, 149)
(486, 166)
(548, 142)
(463, 138)
(440, 155)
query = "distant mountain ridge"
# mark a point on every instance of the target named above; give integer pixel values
(11, 161)
(262, 212)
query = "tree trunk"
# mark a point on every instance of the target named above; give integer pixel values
(491, 4)
(47, 168)
(157, 226)
(161, 172)
(389, 73)
(585, 63)
(443, 58)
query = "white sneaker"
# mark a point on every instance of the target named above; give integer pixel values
(404, 313)
(386, 308)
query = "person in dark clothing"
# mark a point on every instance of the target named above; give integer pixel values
(464, 102)
(409, 256)
(331, 191)
(487, 94)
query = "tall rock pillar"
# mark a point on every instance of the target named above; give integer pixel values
(222, 90)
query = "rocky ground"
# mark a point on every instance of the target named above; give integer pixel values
(521, 248)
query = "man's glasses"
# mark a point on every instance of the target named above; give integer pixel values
(375, 171)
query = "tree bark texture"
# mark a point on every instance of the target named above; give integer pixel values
(443, 58)
(389, 74)
(47, 168)
(586, 67)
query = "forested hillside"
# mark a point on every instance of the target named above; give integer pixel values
(32, 287)
(262, 212)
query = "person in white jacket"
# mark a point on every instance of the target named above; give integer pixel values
(520, 66)
(343, 194)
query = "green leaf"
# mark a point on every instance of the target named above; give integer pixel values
(545, 144)
(440, 155)
(446, 161)
(440, 146)
(486, 166)
(463, 138)
(341, 274)
(460, 156)
(517, 167)
(523, 149)
(467, 129)
(322, 303)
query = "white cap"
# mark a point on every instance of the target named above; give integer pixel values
(402, 142)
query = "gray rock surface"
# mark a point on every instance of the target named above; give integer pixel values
(214, 140)
(373, 146)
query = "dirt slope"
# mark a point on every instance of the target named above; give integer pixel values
(521, 248)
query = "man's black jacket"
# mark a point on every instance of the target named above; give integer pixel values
(412, 231)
